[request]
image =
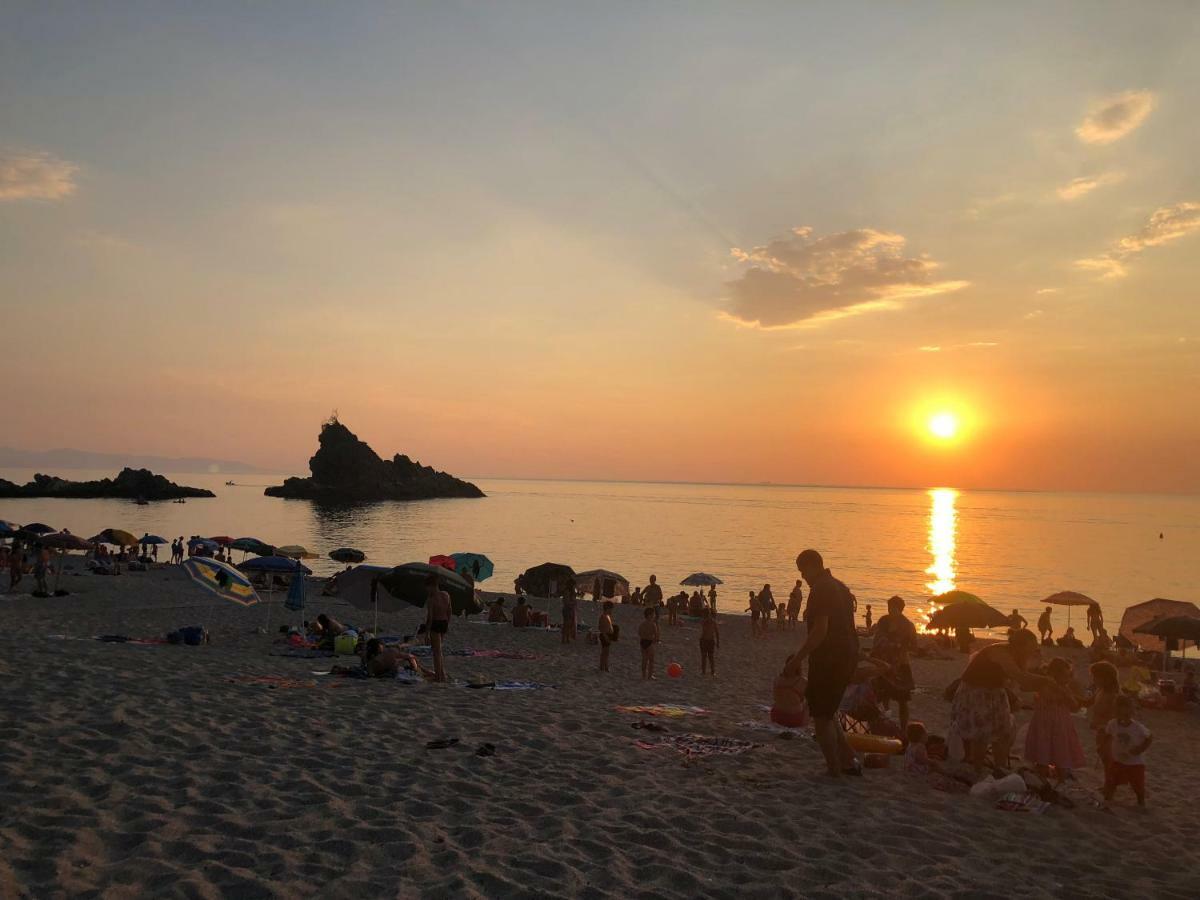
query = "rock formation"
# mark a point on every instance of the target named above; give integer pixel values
(131, 484)
(347, 470)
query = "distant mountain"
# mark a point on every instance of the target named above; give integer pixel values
(85, 459)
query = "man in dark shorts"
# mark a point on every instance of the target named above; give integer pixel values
(831, 647)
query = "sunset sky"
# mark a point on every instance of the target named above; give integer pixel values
(718, 242)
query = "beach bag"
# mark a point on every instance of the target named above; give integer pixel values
(345, 644)
(192, 635)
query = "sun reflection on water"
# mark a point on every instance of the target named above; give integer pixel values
(943, 527)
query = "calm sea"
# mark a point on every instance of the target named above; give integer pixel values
(1010, 548)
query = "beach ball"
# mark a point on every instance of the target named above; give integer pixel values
(675, 670)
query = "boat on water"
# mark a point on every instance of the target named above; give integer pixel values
(231, 483)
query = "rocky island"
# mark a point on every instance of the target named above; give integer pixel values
(130, 484)
(347, 470)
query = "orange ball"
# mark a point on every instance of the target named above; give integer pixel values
(675, 670)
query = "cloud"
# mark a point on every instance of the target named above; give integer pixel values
(1168, 223)
(930, 348)
(1078, 187)
(1114, 117)
(803, 280)
(35, 176)
(1048, 290)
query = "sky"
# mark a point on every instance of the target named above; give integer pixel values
(711, 242)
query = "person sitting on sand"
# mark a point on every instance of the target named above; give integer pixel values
(1045, 631)
(329, 627)
(648, 636)
(635, 599)
(710, 640)
(1101, 645)
(521, 617)
(1068, 640)
(605, 628)
(437, 621)
(387, 662)
(788, 707)
(916, 751)
(496, 611)
(981, 714)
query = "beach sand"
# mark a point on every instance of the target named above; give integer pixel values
(130, 770)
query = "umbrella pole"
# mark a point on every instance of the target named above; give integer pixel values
(376, 632)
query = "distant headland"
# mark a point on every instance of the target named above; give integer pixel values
(130, 484)
(347, 470)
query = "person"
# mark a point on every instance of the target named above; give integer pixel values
(755, 611)
(673, 609)
(895, 638)
(831, 648)
(766, 602)
(981, 714)
(597, 590)
(496, 611)
(648, 636)
(329, 627)
(1095, 619)
(867, 618)
(1188, 689)
(569, 609)
(712, 598)
(379, 661)
(521, 617)
(1051, 740)
(41, 565)
(437, 622)
(635, 598)
(1069, 640)
(1128, 740)
(1045, 632)
(788, 706)
(795, 600)
(605, 627)
(1017, 621)
(652, 595)
(916, 750)
(779, 621)
(154, 552)
(1106, 688)
(963, 637)
(710, 640)
(1101, 645)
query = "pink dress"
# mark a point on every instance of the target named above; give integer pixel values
(1052, 739)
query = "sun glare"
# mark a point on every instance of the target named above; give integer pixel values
(943, 425)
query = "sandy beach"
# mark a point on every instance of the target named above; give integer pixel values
(131, 770)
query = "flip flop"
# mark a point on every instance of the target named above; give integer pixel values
(441, 744)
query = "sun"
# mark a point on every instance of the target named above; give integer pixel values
(943, 425)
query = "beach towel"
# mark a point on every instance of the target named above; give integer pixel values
(668, 710)
(697, 745)
(1019, 802)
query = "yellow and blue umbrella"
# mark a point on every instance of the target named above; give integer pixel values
(221, 579)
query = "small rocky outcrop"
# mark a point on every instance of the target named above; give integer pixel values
(130, 484)
(347, 470)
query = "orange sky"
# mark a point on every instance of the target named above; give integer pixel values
(566, 246)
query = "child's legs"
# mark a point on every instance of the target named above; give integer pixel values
(645, 661)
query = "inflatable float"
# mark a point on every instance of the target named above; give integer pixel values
(874, 743)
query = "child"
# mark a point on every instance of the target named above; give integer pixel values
(916, 754)
(779, 611)
(605, 627)
(1051, 739)
(1128, 740)
(755, 614)
(868, 618)
(789, 707)
(1106, 688)
(648, 636)
(710, 639)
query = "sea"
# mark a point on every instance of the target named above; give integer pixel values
(1012, 549)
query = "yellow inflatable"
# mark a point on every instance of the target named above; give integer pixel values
(874, 743)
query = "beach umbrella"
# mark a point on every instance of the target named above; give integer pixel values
(252, 545)
(1141, 614)
(7, 528)
(347, 555)
(355, 587)
(38, 528)
(280, 565)
(407, 583)
(221, 579)
(223, 539)
(115, 536)
(1177, 628)
(701, 579)
(295, 594)
(1069, 599)
(295, 551)
(546, 580)
(478, 566)
(152, 539)
(966, 614)
(611, 584)
(444, 561)
(951, 597)
(64, 541)
(203, 544)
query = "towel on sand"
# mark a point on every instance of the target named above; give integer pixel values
(698, 745)
(669, 710)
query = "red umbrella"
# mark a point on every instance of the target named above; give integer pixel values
(444, 561)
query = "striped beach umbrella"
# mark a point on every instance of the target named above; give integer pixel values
(221, 579)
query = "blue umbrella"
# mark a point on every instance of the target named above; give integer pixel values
(295, 594)
(152, 539)
(280, 564)
(478, 566)
(7, 528)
